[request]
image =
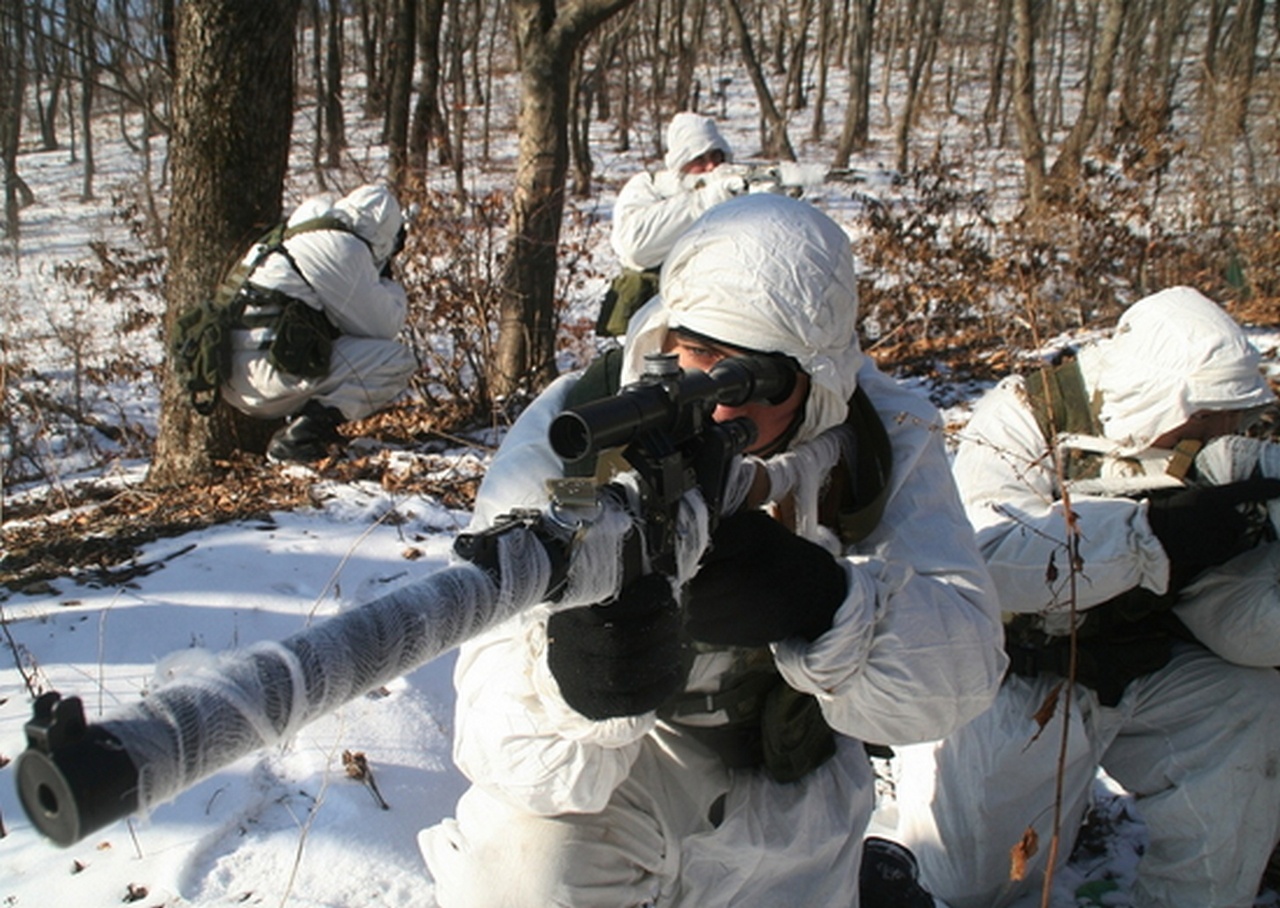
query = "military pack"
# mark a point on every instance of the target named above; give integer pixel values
(302, 340)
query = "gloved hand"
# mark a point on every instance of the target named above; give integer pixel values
(1203, 527)
(621, 658)
(723, 183)
(759, 582)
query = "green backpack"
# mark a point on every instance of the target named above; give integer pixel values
(201, 345)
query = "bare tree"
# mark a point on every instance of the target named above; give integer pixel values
(1231, 68)
(335, 126)
(999, 46)
(49, 69)
(826, 34)
(402, 46)
(773, 126)
(794, 95)
(1024, 103)
(922, 45)
(83, 18)
(429, 125)
(13, 85)
(857, 112)
(233, 112)
(547, 35)
(372, 15)
(1066, 169)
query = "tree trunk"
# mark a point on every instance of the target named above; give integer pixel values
(773, 139)
(233, 112)
(402, 46)
(49, 55)
(819, 124)
(999, 57)
(1234, 76)
(1066, 169)
(429, 126)
(88, 79)
(926, 28)
(582, 90)
(335, 123)
(457, 79)
(548, 35)
(372, 26)
(794, 95)
(1024, 103)
(317, 22)
(857, 114)
(13, 82)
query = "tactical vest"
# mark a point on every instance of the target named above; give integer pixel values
(1119, 640)
(761, 720)
(299, 336)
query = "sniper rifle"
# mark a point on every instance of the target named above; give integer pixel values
(76, 776)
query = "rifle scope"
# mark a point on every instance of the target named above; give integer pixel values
(669, 399)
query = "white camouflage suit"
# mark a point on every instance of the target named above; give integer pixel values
(654, 209)
(341, 277)
(565, 811)
(1197, 741)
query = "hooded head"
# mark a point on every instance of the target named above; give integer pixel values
(690, 135)
(375, 217)
(770, 274)
(1173, 354)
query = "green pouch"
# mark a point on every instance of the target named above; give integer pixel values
(202, 352)
(796, 738)
(303, 345)
(629, 291)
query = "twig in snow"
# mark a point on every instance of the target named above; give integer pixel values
(358, 768)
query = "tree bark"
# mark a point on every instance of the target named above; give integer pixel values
(429, 125)
(13, 82)
(774, 141)
(1234, 74)
(83, 23)
(857, 113)
(548, 34)
(1066, 169)
(233, 112)
(402, 46)
(926, 27)
(1024, 104)
(819, 125)
(999, 57)
(335, 124)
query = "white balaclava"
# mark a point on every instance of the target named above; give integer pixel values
(375, 216)
(766, 273)
(1173, 353)
(690, 135)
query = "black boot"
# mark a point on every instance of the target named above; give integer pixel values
(889, 877)
(307, 436)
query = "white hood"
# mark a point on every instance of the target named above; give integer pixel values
(375, 216)
(1172, 354)
(767, 273)
(690, 135)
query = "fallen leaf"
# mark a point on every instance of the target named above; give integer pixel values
(1022, 853)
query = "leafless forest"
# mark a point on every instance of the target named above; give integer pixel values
(1055, 160)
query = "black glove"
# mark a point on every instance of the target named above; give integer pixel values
(621, 658)
(759, 582)
(1203, 527)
